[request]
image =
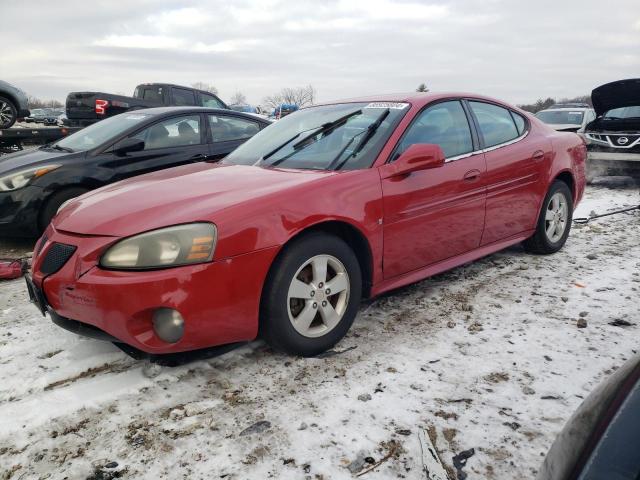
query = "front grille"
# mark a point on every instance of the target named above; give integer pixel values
(55, 258)
(623, 140)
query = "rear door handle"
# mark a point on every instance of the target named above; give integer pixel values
(199, 157)
(539, 155)
(471, 175)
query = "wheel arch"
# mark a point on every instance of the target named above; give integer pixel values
(566, 177)
(352, 235)
(10, 96)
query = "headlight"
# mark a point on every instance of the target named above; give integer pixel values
(20, 179)
(166, 247)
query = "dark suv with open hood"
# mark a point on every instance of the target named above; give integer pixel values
(613, 138)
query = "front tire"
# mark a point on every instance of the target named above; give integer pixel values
(554, 222)
(8, 113)
(311, 296)
(54, 202)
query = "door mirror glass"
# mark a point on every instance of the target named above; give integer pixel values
(419, 156)
(127, 145)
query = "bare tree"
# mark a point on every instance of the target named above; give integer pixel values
(422, 88)
(300, 96)
(205, 87)
(238, 98)
(34, 102)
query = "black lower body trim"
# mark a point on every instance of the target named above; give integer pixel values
(80, 328)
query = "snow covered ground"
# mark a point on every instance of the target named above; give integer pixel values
(487, 356)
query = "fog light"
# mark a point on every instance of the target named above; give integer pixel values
(168, 324)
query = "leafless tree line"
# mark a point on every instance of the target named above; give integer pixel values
(34, 102)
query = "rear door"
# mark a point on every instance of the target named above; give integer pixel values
(228, 132)
(435, 214)
(169, 142)
(515, 163)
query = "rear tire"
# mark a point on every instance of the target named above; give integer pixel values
(311, 295)
(54, 202)
(554, 222)
(8, 113)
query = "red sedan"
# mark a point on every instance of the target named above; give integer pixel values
(284, 237)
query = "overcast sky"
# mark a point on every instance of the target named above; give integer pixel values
(512, 49)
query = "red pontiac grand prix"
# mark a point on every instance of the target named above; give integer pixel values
(285, 236)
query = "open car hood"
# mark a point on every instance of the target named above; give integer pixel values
(622, 93)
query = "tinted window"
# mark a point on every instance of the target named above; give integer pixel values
(183, 97)
(444, 124)
(521, 123)
(496, 124)
(103, 131)
(173, 132)
(560, 117)
(210, 101)
(152, 94)
(224, 129)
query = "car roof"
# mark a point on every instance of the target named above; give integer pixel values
(191, 109)
(418, 98)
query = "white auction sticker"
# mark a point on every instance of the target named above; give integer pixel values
(392, 105)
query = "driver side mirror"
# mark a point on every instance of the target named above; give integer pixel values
(128, 145)
(419, 156)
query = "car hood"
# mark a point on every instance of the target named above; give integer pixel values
(178, 195)
(564, 126)
(30, 158)
(623, 93)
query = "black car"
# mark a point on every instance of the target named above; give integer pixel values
(13, 104)
(602, 438)
(613, 138)
(35, 183)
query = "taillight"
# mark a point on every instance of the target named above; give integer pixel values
(101, 106)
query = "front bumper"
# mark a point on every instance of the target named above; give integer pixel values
(219, 301)
(19, 211)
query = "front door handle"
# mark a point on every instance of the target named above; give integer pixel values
(539, 155)
(471, 176)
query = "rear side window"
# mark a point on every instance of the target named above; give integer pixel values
(183, 97)
(210, 101)
(444, 124)
(521, 123)
(173, 132)
(496, 123)
(152, 94)
(225, 129)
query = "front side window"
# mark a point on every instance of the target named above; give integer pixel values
(210, 101)
(346, 136)
(496, 124)
(173, 132)
(225, 129)
(443, 124)
(183, 97)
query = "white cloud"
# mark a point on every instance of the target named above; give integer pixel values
(140, 41)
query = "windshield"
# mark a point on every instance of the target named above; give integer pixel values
(100, 132)
(345, 136)
(561, 117)
(624, 112)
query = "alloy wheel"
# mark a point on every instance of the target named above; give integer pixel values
(318, 296)
(556, 217)
(6, 113)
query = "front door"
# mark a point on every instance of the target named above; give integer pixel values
(167, 143)
(432, 215)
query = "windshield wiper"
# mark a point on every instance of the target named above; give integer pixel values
(369, 133)
(324, 129)
(61, 149)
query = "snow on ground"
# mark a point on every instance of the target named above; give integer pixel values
(487, 356)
